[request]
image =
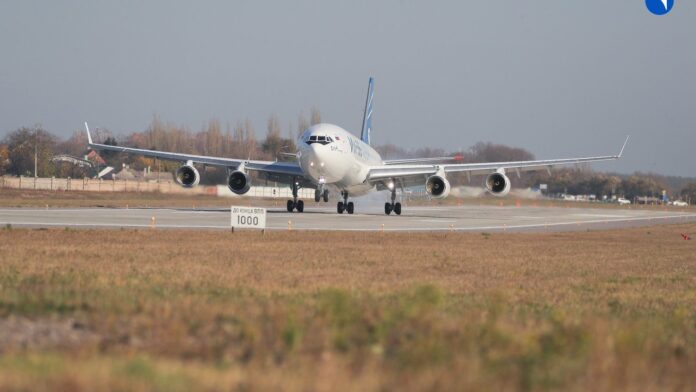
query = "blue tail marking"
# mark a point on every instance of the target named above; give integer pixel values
(367, 116)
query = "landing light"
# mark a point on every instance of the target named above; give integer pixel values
(311, 164)
(321, 164)
(390, 185)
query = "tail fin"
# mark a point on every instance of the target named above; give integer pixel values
(367, 116)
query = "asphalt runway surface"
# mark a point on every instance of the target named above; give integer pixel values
(416, 218)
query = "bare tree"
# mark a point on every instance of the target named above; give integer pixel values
(302, 124)
(273, 143)
(76, 145)
(315, 116)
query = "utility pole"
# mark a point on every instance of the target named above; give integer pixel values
(36, 149)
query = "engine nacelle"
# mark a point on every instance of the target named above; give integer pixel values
(187, 176)
(438, 187)
(497, 184)
(239, 182)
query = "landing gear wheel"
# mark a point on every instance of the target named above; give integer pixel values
(350, 207)
(294, 203)
(339, 207)
(317, 195)
(395, 207)
(326, 196)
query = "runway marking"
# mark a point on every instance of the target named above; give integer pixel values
(165, 226)
(428, 208)
(601, 215)
(282, 227)
(201, 212)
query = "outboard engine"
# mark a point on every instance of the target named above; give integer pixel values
(187, 176)
(239, 182)
(498, 184)
(437, 186)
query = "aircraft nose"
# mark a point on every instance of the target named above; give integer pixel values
(319, 152)
(318, 158)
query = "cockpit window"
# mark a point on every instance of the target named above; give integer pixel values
(321, 139)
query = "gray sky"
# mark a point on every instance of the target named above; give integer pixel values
(559, 78)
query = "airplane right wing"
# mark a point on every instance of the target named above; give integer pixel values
(276, 169)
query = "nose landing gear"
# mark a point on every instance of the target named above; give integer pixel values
(321, 194)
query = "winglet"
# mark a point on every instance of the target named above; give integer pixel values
(624, 146)
(89, 136)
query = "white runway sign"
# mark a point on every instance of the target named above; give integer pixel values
(248, 217)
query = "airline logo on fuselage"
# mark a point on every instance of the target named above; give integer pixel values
(355, 148)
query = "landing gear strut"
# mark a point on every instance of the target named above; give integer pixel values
(389, 207)
(345, 205)
(295, 204)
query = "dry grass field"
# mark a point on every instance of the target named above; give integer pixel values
(196, 310)
(42, 198)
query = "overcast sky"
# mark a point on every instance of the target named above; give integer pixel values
(559, 78)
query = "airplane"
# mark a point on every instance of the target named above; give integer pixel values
(328, 156)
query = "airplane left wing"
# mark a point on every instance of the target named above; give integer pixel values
(400, 171)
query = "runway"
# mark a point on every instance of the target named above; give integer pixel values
(416, 218)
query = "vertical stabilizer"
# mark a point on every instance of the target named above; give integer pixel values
(367, 116)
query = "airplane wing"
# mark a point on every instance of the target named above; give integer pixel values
(276, 169)
(406, 171)
(422, 160)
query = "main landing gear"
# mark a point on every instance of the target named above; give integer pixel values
(389, 207)
(295, 204)
(345, 205)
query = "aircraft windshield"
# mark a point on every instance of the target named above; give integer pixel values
(321, 139)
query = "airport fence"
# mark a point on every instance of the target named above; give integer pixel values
(171, 187)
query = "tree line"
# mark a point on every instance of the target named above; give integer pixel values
(19, 148)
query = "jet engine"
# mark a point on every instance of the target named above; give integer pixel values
(498, 184)
(187, 176)
(239, 182)
(437, 186)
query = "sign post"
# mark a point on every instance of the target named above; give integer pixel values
(247, 218)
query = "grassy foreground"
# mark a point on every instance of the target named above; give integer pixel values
(62, 199)
(181, 310)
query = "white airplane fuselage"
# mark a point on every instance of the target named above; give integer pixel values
(330, 155)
